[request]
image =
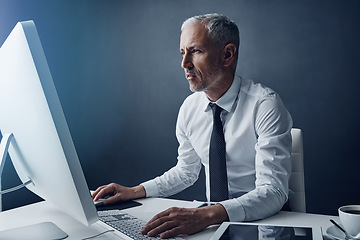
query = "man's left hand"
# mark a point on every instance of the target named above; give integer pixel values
(184, 221)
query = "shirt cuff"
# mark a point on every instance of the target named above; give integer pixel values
(151, 188)
(234, 209)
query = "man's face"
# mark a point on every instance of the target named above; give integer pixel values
(201, 59)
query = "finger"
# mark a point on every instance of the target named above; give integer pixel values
(161, 228)
(103, 192)
(153, 223)
(164, 213)
(171, 233)
(112, 199)
(96, 192)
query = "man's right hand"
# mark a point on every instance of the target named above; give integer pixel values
(118, 193)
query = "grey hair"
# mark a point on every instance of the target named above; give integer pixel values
(221, 29)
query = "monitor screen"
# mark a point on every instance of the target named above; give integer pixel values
(42, 149)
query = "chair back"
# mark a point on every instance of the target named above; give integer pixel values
(297, 200)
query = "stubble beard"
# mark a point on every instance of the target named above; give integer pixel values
(207, 81)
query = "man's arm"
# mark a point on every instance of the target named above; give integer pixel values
(186, 171)
(272, 164)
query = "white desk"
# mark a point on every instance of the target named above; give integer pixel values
(44, 212)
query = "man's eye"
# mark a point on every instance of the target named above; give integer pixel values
(196, 51)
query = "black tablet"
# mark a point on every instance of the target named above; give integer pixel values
(252, 231)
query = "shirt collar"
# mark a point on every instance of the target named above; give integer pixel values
(227, 101)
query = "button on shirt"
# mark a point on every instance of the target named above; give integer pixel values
(258, 145)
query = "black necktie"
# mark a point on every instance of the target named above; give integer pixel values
(217, 159)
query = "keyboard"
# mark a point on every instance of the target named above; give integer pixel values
(126, 224)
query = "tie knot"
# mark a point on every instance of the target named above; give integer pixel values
(216, 109)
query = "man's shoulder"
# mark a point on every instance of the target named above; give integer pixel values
(257, 90)
(192, 104)
(194, 98)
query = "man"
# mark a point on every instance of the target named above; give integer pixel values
(256, 129)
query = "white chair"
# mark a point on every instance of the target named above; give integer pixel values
(297, 180)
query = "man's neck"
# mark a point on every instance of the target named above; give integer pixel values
(218, 91)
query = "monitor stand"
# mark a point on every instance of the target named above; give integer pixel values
(39, 231)
(4, 147)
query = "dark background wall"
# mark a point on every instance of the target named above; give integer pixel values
(116, 66)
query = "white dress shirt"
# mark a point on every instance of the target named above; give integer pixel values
(258, 146)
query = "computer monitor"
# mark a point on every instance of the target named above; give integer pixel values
(42, 149)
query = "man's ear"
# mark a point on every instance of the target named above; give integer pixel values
(229, 52)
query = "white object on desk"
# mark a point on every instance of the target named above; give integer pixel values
(335, 233)
(44, 212)
(40, 231)
(35, 132)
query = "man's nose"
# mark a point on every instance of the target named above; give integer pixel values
(186, 61)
